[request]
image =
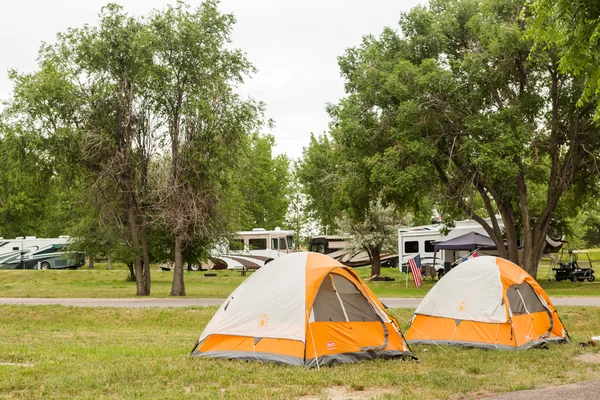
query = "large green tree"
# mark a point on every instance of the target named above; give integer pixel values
(193, 75)
(141, 115)
(475, 115)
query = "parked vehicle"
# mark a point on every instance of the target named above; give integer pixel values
(419, 240)
(336, 247)
(575, 266)
(31, 252)
(249, 250)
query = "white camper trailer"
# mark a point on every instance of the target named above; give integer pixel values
(418, 240)
(31, 252)
(251, 249)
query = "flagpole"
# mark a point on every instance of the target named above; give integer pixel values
(406, 274)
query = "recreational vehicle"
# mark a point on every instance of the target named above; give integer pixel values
(336, 247)
(419, 240)
(251, 249)
(31, 252)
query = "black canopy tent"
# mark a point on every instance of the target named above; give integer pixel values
(469, 241)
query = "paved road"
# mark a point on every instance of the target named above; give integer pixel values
(186, 302)
(587, 390)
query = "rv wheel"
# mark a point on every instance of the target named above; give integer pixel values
(194, 267)
(591, 278)
(440, 274)
(45, 265)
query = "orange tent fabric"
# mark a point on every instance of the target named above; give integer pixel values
(487, 302)
(303, 309)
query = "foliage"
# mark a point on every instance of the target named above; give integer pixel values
(572, 27)
(26, 188)
(264, 184)
(376, 233)
(299, 218)
(134, 127)
(468, 111)
(317, 174)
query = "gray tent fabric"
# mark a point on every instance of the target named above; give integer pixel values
(338, 300)
(468, 241)
(523, 300)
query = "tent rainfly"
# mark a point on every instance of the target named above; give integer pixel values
(487, 302)
(303, 309)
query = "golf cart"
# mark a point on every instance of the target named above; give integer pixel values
(574, 266)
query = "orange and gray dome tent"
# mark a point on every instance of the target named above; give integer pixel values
(486, 302)
(303, 309)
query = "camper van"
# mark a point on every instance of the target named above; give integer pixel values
(251, 249)
(31, 252)
(419, 240)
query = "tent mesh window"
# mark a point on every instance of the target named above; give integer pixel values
(338, 300)
(523, 300)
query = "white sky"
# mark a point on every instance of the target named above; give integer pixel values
(294, 44)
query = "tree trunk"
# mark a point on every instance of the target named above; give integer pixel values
(146, 257)
(91, 262)
(375, 261)
(178, 287)
(131, 271)
(135, 244)
(109, 264)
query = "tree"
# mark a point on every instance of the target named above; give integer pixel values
(21, 176)
(193, 74)
(475, 115)
(299, 218)
(263, 182)
(86, 102)
(317, 174)
(376, 233)
(571, 28)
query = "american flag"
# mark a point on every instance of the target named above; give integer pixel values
(415, 269)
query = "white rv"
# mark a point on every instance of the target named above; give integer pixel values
(251, 249)
(418, 240)
(31, 252)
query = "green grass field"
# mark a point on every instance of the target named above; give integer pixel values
(103, 283)
(54, 352)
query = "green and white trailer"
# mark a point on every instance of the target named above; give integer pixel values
(31, 252)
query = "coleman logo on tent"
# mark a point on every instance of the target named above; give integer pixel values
(330, 345)
(462, 306)
(263, 319)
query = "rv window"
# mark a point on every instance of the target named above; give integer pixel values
(15, 248)
(411, 247)
(429, 246)
(257, 244)
(290, 242)
(317, 248)
(236, 244)
(282, 244)
(274, 244)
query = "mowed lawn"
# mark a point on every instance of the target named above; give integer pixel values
(100, 283)
(55, 352)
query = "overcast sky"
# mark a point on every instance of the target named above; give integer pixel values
(294, 44)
